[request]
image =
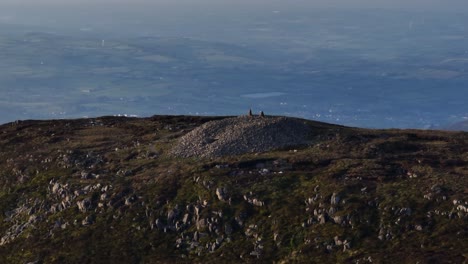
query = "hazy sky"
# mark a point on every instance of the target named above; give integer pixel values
(424, 4)
(125, 16)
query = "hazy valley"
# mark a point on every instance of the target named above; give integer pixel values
(405, 70)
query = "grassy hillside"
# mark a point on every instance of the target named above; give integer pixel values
(105, 190)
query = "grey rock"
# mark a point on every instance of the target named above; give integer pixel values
(159, 224)
(197, 211)
(55, 188)
(462, 208)
(172, 214)
(337, 241)
(85, 175)
(84, 205)
(222, 194)
(257, 202)
(129, 200)
(64, 226)
(213, 247)
(346, 245)
(53, 208)
(88, 220)
(338, 219)
(185, 220)
(322, 218)
(335, 199)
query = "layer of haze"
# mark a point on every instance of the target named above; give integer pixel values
(109, 15)
(373, 63)
(227, 6)
(436, 4)
(70, 12)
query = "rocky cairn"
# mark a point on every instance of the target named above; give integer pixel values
(240, 135)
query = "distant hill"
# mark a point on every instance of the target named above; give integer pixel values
(460, 126)
(110, 190)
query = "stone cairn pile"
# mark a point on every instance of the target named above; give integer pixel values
(243, 134)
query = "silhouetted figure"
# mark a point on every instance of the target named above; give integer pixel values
(250, 112)
(262, 114)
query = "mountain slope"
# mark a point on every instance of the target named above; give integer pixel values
(107, 190)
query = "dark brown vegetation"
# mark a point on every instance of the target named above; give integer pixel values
(105, 190)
